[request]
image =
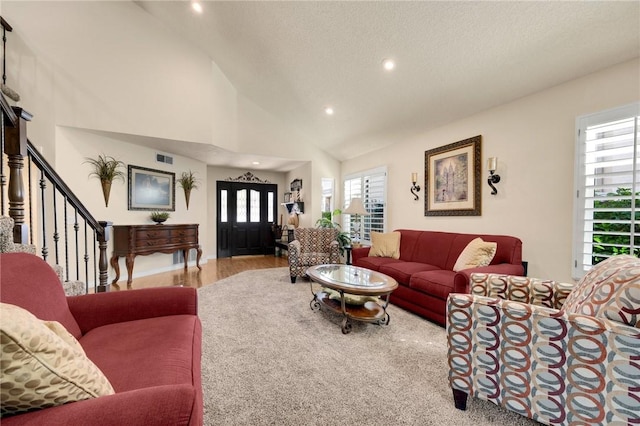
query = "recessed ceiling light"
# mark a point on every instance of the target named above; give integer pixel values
(388, 64)
(255, 163)
(328, 110)
(196, 6)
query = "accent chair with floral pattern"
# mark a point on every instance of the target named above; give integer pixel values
(559, 353)
(312, 246)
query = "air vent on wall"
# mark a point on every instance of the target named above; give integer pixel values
(162, 158)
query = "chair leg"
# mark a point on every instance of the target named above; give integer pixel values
(293, 280)
(460, 399)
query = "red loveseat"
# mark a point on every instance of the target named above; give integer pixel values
(425, 273)
(146, 342)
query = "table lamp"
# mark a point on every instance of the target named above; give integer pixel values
(356, 208)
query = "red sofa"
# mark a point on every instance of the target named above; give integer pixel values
(425, 273)
(146, 342)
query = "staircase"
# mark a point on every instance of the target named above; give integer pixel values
(45, 212)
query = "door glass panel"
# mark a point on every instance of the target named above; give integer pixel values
(255, 206)
(270, 206)
(241, 205)
(223, 206)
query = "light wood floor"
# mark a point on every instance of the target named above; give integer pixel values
(212, 271)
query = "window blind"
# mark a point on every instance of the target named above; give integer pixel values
(607, 209)
(371, 187)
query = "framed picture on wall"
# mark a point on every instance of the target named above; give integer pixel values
(452, 174)
(287, 197)
(151, 189)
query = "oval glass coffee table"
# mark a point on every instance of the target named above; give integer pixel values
(357, 293)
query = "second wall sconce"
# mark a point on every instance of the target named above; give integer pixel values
(492, 165)
(415, 188)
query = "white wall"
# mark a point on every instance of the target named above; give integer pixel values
(74, 146)
(534, 140)
(85, 81)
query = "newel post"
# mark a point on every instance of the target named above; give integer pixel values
(103, 266)
(16, 149)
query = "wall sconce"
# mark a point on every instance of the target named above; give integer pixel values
(415, 188)
(492, 165)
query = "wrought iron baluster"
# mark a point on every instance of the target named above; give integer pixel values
(56, 235)
(43, 186)
(3, 178)
(86, 258)
(66, 239)
(95, 265)
(76, 227)
(30, 186)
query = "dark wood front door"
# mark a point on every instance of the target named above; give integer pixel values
(245, 214)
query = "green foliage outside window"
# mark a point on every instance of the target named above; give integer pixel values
(605, 244)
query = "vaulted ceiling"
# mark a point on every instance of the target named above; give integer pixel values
(453, 58)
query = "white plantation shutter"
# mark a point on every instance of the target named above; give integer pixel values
(371, 186)
(607, 208)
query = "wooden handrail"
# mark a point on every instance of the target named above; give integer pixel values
(42, 164)
(8, 112)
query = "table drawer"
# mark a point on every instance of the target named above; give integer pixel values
(185, 232)
(145, 234)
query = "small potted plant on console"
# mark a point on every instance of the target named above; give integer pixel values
(159, 217)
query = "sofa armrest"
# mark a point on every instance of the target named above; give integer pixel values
(462, 278)
(507, 352)
(358, 253)
(535, 291)
(98, 309)
(161, 405)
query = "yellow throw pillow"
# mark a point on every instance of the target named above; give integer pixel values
(476, 253)
(385, 245)
(40, 368)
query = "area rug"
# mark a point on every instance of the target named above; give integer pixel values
(268, 359)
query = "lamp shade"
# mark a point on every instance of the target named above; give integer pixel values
(356, 207)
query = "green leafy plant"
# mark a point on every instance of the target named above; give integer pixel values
(106, 168)
(326, 221)
(612, 230)
(159, 216)
(188, 180)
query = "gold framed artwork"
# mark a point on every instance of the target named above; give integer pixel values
(452, 179)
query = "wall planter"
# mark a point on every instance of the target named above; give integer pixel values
(188, 181)
(106, 169)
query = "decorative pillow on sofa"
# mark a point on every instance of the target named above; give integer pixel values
(43, 365)
(385, 245)
(611, 289)
(476, 253)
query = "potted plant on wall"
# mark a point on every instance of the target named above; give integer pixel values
(188, 181)
(106, 168)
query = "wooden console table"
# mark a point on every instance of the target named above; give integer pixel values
(132, 240)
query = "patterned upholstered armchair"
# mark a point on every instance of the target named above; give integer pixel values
(557, 353)
(312, 246)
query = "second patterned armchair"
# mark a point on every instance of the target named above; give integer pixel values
(561, 354)
(312, 246)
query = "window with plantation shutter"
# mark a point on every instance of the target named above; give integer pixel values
(371, 186)
(607, 208)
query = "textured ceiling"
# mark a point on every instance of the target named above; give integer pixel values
(454, 59)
